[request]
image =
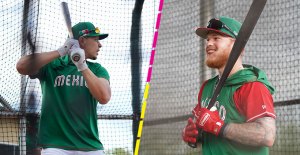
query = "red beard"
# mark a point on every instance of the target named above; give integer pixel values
(218, 61)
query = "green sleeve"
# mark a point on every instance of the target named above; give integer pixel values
(101, 72)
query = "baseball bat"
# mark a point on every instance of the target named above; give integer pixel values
(247, 27)
(67, 17)
(66, 13)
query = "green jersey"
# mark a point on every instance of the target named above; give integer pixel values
(230, 113)
(68, 115)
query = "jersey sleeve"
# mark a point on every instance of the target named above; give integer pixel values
(198, 106)
(200, 92)
(41, 74)
(101, 72)
(254, 100)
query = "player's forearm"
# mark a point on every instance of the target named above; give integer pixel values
(99, 87)
(259, 133)
(30, 64)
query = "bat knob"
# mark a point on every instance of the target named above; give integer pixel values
(193, 145)
(76, 57)
(213, 108)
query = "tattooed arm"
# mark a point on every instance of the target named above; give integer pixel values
(261, 132)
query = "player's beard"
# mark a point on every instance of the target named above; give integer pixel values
(94, 58)
(218, 61)
(91, 57)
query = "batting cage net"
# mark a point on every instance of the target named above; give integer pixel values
(37, 26)
(179, 70)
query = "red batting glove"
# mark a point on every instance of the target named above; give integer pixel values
(196, 111)
(190, 132)
(210, 121)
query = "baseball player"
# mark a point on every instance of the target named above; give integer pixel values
(242, 121)
(72, 88)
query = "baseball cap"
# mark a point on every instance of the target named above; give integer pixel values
(223, 25)
(87, 29)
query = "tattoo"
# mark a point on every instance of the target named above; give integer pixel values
(261, 132)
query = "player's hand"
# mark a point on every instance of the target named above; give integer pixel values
(196, 111)
(190, 132)
(210, 121)
(78, 58)
(65, 49)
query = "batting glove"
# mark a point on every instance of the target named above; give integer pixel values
(78, 58)
(196, 113)
(190, 132)
(210, 121)
(65, 49)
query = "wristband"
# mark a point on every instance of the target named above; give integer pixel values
(221, 134)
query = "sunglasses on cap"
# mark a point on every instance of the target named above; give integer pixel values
(217, 24)
(86, 31)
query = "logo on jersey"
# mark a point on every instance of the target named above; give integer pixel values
(69, 80)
